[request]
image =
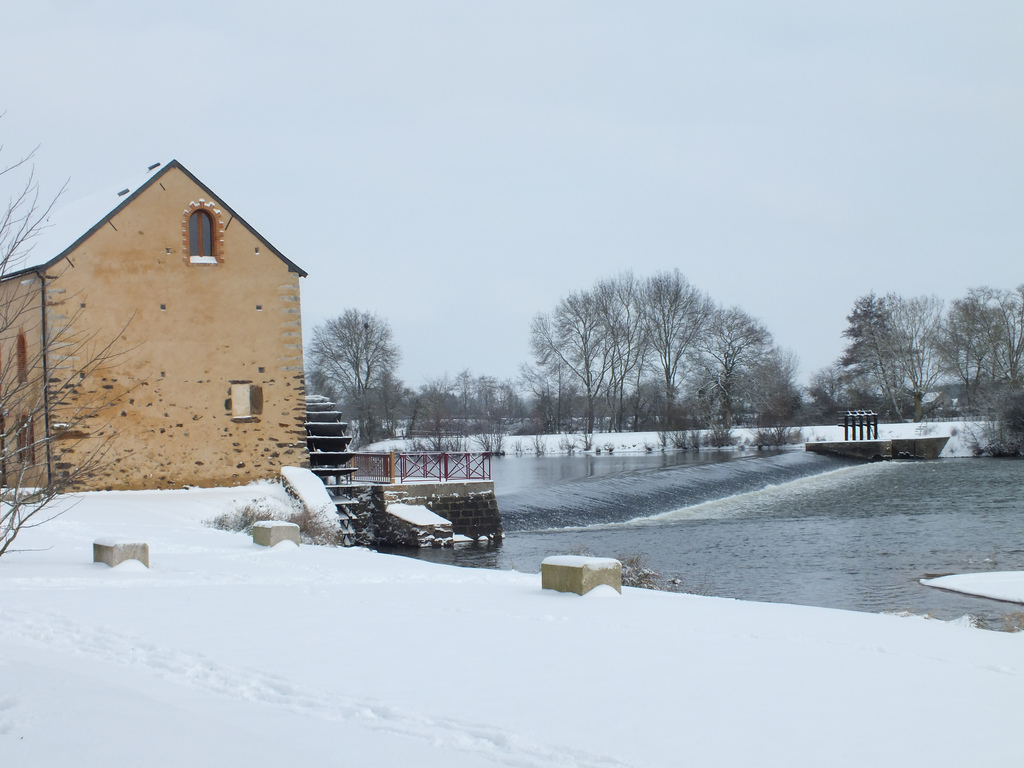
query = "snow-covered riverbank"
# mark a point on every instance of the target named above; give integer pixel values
(1007, 587)
(963, 438)
(229, 654)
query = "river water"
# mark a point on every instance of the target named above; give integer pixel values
(788, 527)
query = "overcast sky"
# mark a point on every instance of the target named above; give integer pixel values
(458, 167)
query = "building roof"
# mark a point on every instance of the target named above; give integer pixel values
(70, 224)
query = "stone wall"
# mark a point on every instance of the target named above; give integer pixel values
(368, 506)
(470, 506)
(412, 525)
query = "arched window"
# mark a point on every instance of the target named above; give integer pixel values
(22, 351)
(200, 234)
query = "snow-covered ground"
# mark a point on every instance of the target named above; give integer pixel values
(963, 436)
(227, 654)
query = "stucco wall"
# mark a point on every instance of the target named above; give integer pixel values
(182, 335)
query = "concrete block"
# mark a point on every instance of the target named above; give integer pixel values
(116, 551)
(574, 573)
(267, 533)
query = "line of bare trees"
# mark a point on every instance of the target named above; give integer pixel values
(913, 357)
(353, 360)
(629, 354)
(465, 411)
(656, 353)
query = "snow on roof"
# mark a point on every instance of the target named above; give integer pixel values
(71, 218)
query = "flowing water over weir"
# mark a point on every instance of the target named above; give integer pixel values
(638, 490)
(781, 527)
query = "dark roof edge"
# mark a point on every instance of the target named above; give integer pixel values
(175, 164)
(142, 188)
(38, 269)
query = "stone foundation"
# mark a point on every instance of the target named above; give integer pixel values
(470, 506)
(882, 450)
(412, 525)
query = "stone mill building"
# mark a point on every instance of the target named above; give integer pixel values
(164, 329)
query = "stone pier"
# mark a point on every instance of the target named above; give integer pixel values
(882, 450)
(470, 506)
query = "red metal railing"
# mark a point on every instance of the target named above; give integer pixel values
(373, 468)
(443, 466)
(399, 467)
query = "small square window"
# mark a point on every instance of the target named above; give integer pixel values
(259, 307)
(261, 369)
(246, 402)
(163, 307)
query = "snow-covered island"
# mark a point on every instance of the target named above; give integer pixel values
(224, 653)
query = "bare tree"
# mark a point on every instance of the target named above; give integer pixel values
(676, 315)
(434, 418)
(774, 394)
(575, 336)
(619, 302)
(826, 393)
(392, 397)
(965, 343)
(353, 353)
(464, 386)
(1006, 340)
(496, 403)
(916, 323)
(734, 343)
(50, 438)
(555, 396)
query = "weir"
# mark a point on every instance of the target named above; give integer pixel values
(882, 450)
(578, 496)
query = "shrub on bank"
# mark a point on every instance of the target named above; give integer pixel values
(314, 528)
